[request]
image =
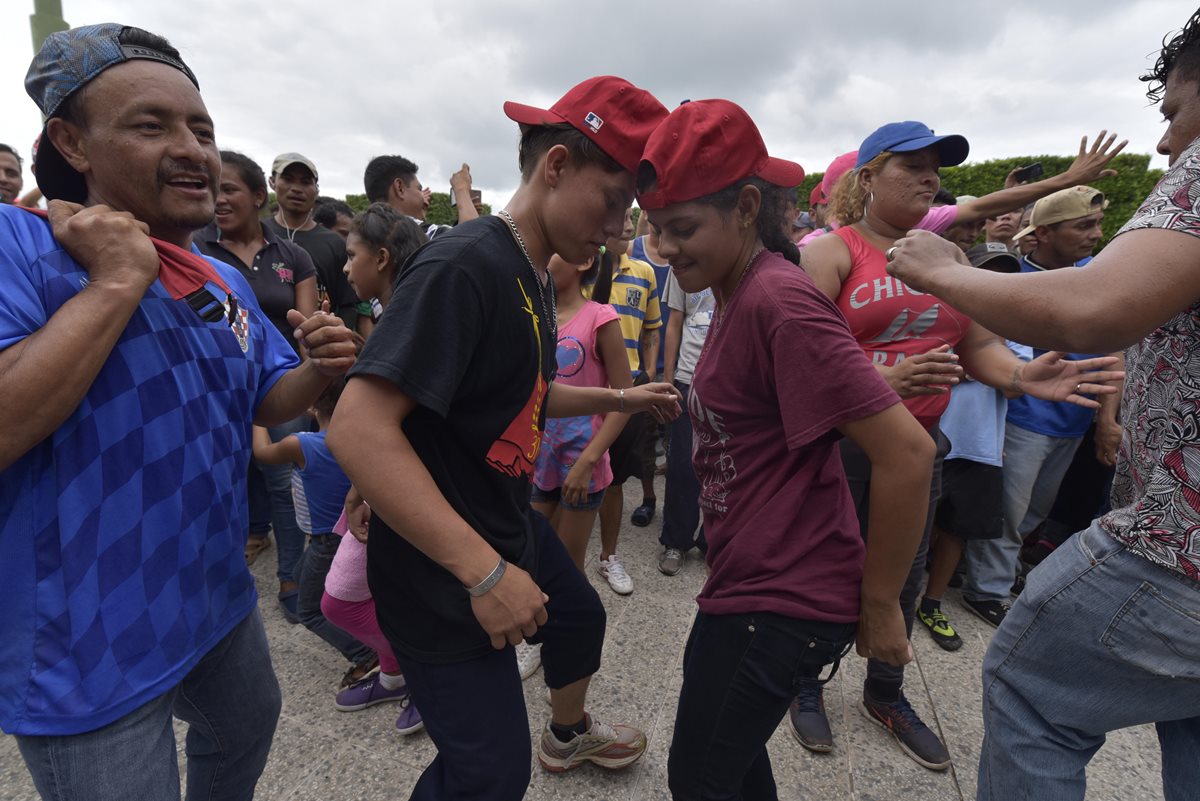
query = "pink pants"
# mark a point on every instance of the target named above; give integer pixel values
(357, 618)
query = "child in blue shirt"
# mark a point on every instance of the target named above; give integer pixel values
(325, 488)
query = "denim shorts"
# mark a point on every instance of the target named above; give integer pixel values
(555, 496)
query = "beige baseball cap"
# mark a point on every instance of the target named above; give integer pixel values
(285, 160)
(1063, 205)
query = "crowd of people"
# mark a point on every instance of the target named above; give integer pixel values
(855, 406)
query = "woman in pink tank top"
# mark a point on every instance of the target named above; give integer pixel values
(921, 346)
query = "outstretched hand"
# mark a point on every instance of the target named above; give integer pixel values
(1092, 162)
(919, 256)
(1053, 377)
(659, 398)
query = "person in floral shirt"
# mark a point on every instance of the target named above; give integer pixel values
(1107, 632)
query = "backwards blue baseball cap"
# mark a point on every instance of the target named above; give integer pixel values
(66, 62)
(904, 137)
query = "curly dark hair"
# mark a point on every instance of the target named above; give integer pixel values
(1180, 54)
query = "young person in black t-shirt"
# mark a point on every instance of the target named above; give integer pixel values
(452, 399)
(294, 179)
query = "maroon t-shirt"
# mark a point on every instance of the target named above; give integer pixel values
(779, 372)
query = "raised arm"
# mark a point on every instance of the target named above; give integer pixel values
(286, 451)
(1139, 281)
(76, 341)
(1090, 165)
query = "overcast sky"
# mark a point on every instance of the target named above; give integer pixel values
(344, 81)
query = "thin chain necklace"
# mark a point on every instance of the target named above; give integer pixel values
(719, 317)
(549, 313)
(291, 232)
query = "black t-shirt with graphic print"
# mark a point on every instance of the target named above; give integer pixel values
(464, 335)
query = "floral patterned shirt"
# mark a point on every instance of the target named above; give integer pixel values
(1156, 492)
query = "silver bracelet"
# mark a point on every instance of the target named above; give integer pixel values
(492, 580)
(620, 401)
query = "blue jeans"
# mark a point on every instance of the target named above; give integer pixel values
(681, 506)
(314, 567)
(1099, 640)
(740, 673)
(270, 490)
(230, 701)
(1034, 466)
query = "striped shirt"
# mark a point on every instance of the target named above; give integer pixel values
(635, 297)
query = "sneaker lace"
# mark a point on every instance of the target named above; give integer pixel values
(616, 570)
(601, 730)
(902, 712)
(808, 699)
(673, 553)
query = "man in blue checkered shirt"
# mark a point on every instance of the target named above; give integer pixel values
(131, 370)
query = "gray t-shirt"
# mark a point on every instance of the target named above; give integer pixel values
(697, 308)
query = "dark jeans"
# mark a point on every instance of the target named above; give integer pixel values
(230, 701)
(681, 506)
(314, 567)
(886, 680)
(475, 711)
(740, 673)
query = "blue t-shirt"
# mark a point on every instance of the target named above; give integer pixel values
(638, 251)
(1048, 418)
(325, 485)
(123, 531)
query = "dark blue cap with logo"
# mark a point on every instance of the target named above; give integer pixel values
(904, 137)
(66, 62)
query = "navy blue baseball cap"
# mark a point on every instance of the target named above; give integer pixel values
(905, 137)
(66, 62)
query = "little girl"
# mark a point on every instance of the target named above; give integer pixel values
(572, 469)
(380, 242)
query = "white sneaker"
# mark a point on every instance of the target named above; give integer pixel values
(612, 570)
(529, 659)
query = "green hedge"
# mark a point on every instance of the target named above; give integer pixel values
(1125, 191)
(440, 211)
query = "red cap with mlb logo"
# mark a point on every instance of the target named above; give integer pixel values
(612, 112)
(705, 146)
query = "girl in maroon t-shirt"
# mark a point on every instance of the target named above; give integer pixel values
(779, 380)
(916, 342)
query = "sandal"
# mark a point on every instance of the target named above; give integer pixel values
(255, 545)
(643, 514)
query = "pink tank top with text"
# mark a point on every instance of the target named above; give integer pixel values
(892, 321)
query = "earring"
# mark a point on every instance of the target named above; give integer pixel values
(868, 201)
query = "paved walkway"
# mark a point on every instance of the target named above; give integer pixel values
(321, 754)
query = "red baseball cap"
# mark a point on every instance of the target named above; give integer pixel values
(612, 112)
(816, 196)
(705, 146)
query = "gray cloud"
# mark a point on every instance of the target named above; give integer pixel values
(344, 82)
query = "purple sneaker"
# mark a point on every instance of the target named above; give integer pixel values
(367, 692)
(409, 721)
